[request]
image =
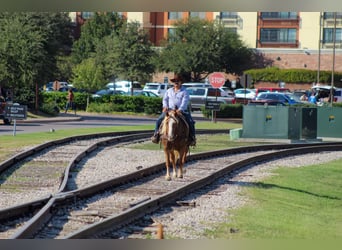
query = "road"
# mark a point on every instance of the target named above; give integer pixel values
(70, 121)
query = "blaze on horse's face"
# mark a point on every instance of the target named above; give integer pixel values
(171, 128)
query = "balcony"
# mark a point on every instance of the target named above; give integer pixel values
(278, 44)
(330, 44)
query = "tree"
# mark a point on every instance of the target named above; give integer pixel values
(199, 47)
(29, 45)
(88, 76)
(93, 32)
(130, 54)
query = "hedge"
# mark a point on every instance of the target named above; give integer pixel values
(274, 74)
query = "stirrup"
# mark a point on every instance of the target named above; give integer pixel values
(155, 138)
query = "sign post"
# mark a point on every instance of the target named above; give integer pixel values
(217, 80)
(15, 112)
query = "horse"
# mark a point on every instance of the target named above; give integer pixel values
(175, 140)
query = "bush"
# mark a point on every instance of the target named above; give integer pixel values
(50, 109)
(226, 111)
(274, 74)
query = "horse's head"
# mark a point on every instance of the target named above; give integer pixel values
(171, 123)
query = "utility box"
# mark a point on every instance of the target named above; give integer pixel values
(329, 122)
(261, 121)
(279, 122)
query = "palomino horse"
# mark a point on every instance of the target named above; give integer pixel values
(174, 137)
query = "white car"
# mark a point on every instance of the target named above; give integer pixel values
(124, 86)
(157, 88)
(244, 93)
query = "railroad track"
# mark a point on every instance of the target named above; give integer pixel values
(100, 210)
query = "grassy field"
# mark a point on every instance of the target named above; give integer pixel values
(297, 203)
(10, 144)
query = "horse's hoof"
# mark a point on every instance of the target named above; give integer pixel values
(181, 176)
(168, 178)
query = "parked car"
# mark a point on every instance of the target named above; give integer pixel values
(196, 84)
(284, 98)
(244, 93)
(142, 92)
(270, 89)
(323, 93)
(199, 96)
(56, 85)
(103, 92)
(124, 86)
(157, 88)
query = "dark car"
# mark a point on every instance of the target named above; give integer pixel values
(283, 98)
(103, 92)
(145, 93)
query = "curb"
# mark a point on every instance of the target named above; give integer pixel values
(60, 118)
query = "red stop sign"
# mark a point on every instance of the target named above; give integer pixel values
(217, 79)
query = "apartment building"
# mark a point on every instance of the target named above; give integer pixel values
(287, 39)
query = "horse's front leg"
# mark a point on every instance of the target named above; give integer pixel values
(182, 160)
(167, 163)
(174, 164)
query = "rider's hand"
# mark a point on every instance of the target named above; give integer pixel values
(165, 110)
(179, 112)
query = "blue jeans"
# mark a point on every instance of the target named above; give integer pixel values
(70, 105)
(188, 119)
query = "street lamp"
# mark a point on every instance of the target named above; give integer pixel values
(333, 63)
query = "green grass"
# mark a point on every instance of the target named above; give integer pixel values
(10, 144)
(296, 203)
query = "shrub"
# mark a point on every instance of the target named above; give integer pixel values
(226, 111)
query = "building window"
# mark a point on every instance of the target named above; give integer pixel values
(87, 15)
(200, 15)
(231, 29)
(328, 35)
(330, 15)
(228, 15)
(175, 15)
(278, 35)
(279, 15)
(171, 34)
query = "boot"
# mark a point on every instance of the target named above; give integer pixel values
(192, 141)
(155, 138)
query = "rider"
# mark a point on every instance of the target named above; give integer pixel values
(176, 98)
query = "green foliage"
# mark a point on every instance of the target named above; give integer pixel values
(59, 99)
(226, 111)
(25, 96)
(198, 47)
(119, 103)
(93, 32)
(30, 43)
(88, 76)
(274, 74)
(130, 53)
(50, 109)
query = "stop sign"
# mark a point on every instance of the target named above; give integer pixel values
(217, 79)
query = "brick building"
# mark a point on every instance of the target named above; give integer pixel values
(303, 40)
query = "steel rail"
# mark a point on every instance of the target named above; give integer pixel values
(116, 221)
(286, 149)
(118, 137)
